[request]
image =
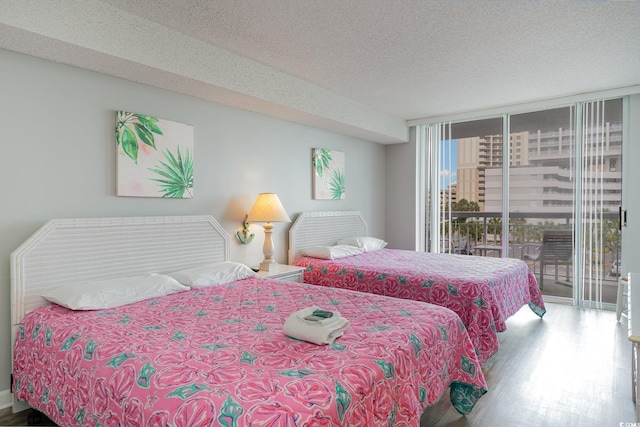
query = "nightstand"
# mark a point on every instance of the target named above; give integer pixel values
(287, 273)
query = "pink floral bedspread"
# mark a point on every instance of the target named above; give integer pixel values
(484, 292)
(218, 356)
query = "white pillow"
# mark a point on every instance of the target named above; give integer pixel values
(368, 244)
(212, 274)
(101, 294)
(331, 252)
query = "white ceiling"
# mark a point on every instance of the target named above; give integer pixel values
(360, 67)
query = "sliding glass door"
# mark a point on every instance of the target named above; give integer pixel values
(548, 194)
(542, 187)
(466, 151)
(600, 199)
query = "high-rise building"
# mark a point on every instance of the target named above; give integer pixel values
(542, 170)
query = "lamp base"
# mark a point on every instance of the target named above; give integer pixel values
(268, 266)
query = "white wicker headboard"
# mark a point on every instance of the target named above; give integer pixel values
(323, 228)
(69, 250)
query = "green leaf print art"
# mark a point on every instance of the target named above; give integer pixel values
(336, 185)
(321, 159)
(155, 157)
(328, 174)
(176, 174)
(133, 129)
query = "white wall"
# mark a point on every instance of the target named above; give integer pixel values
(58, 161)
(401, 194)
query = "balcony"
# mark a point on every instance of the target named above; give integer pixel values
(480, 234)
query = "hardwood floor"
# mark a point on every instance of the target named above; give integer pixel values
(571, 368)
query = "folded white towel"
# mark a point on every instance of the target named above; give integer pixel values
(319, 332)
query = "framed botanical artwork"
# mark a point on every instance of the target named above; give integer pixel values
(328, 174)
(155, 157)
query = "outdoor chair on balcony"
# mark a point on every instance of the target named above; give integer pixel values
(461, 247)
(556, 249)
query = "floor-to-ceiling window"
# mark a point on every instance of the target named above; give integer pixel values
(542, 176)
(600, 199)
(556, 178)
(466, 151)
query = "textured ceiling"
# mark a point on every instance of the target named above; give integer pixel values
(382, 59)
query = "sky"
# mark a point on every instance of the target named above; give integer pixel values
(448, 163)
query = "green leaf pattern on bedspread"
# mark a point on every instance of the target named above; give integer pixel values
(34, 334)
(296, 373)
(343, 400)
(453, 290)
(66, 345)
(119, 359)
(415, 342)
(89, 349)
(144, 377)
(230, 413)
(185, 392)
(464, 396)
(219, 355)
(387, 368)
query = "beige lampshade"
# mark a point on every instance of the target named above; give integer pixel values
(268, 208)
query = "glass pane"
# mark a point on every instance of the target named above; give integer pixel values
(470, 158)
(601, 198)
(543, 168)
(541, 195)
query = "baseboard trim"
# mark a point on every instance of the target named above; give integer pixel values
(6, 399)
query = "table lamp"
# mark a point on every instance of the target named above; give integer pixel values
(267, 208)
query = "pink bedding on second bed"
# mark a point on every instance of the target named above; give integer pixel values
(484, 292)
(219, 356)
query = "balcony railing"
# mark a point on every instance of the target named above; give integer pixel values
(480, 233)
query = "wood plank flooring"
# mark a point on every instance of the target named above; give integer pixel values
(571, 368)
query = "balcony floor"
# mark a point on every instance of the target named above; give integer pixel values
(564, 288)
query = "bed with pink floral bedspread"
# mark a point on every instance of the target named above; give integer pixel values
(218, 356)
(483, 291)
